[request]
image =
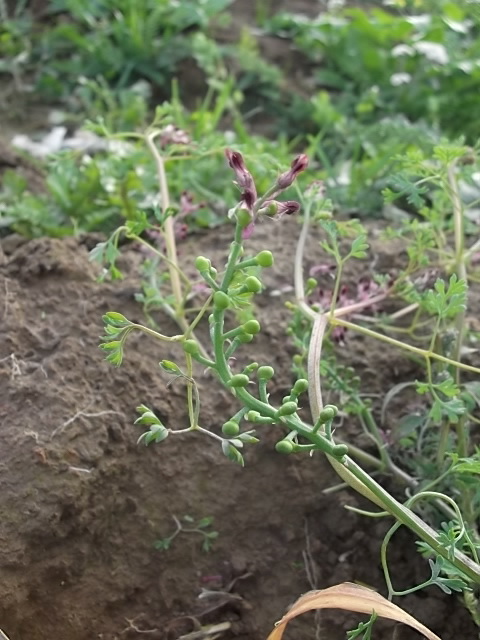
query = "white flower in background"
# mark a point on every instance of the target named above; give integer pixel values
(402, 50)
(433, 51)
(400, 78)
(459, 27)
(420, 21)
(467, 66)
(109, 184)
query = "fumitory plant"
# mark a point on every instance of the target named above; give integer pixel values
(453, 548)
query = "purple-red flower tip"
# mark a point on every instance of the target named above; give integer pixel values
(243, 177)
(288, 207)
(286, 179)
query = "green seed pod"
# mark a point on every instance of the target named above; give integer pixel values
(284, 446)
(250, 368)
(251, 326)
(297, 359)
(311, 284)
(244, 217)
(213, 272)
(264, 258)
(300, 386)
(202, 264)
(286, 399)
(252, 416)
(327, 413)
(265, 373)
(243, 338)
(253, 284)
(287, 409)
(230, 428)
(340, 450)
(238, 380)
(221, 300)
(271, 209)
(191, 347)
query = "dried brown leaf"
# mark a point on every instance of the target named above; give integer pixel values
(350, 597)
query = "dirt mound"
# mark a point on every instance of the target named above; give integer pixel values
(81, 505)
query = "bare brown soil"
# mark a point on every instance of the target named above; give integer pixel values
(81, 505)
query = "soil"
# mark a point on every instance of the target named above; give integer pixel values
(82, 505)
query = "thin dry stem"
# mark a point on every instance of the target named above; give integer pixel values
(168, 227)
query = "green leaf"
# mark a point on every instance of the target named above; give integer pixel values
(454, 409)
(231, 453)
(157, 433)
(409, 425)
(115, 357)
(115, 344)
(97, 254)
(205, 522)
(422, 387)
(170, 367)
(116, 319)
(410, 190)
(448, 387)
(468, 465)
(436, 412)
(247, 437)
(137, 226)
(359, 247)
(111, 253)
(148, 418)
(447, 302)
(163, 545)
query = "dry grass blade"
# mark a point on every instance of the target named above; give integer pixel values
(3, 636)
(350, 597)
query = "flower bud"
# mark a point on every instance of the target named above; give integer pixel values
(264, 258)
(250, 368)
(270, 209)
(287, 409)
(253, 284)
(230, 428)
(191, 347)
(202, 264)
(286, 179)
(238, 380)
(243, 338)
(220, 300)
(244, 217)
(251, 326)
(288, 207)
(265, 373)
(285, 447)
(326, 414)
(300, 386)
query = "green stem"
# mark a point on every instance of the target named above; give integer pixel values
(402, 345)
(235, 251)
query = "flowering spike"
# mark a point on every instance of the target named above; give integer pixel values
(243, 177)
